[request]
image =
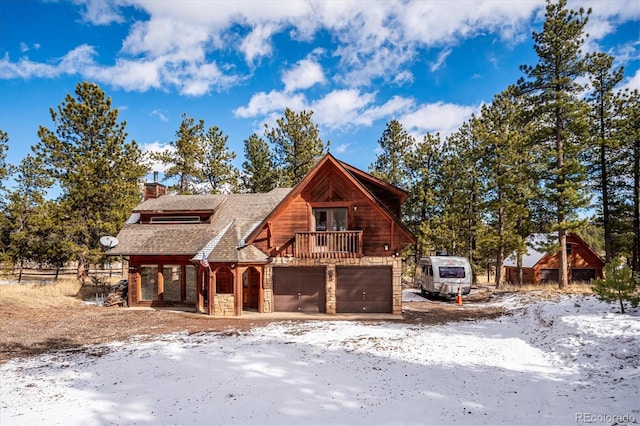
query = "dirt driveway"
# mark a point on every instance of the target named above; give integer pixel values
(35, 330)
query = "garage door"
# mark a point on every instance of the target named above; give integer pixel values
(364, 289)
(299, 290)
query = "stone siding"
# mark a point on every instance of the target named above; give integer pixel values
(224, 305)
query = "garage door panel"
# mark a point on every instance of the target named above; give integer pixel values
(299, 289)
(364, 289)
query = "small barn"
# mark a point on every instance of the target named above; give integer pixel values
(539, 266)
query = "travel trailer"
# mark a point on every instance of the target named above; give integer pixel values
(443, 275)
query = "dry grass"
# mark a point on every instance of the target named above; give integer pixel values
(548, 288)
(63, 292)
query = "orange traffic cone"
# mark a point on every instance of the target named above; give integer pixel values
(459, 297)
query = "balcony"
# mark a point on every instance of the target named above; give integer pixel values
(329, 244)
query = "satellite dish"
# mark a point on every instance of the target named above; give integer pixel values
(108, 241)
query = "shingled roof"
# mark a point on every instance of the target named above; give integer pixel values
(222, 240)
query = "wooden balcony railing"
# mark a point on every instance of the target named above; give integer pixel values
(329, 244)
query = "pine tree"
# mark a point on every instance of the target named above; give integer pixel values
(4, 147)
(460, 190)
(619, 284)
(396, 145)
(185, 157)
(98, 172)
(604, 144)
(563, 131)
(217, 166)
(507, 173)
(24, 210)
(4, 172)
(297, 145)
(420, 210)
(258, 170)
(626, 202)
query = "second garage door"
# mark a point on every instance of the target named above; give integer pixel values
(364, 289)
(299, 289)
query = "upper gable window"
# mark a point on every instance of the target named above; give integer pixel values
(330, 219)
(175, 219)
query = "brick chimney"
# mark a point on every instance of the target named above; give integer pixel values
(154, 189)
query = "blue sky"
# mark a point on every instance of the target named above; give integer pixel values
(238, 64)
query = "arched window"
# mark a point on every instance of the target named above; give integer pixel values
(224, 281)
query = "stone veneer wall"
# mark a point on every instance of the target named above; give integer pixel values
(330, 280)
(224, 305)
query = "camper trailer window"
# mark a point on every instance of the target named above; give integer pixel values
(451, 272)
(430, 272)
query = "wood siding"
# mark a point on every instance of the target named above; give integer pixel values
(581, 258)
(332, 188)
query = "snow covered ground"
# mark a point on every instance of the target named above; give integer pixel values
(572, 360)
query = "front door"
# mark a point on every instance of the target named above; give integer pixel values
(250, 288)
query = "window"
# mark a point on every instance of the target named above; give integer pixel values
(191, 283)
(175, 219)
(172, 275)
(149, 282)
(330, 219)
(549, 275)
(224, 281)
(451, 272)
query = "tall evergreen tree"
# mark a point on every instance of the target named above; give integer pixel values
(217, 167)
(258, 170)
(563, 129)
(395, 145)
(627, 200)
(421, 208)
(506, 167)
(4, 167)
(185, 157)
(4, 172)
(605, 145)
(297, 145)
(460, 191)
(99, 173)
(24, 210)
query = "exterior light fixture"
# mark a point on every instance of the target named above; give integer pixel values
(386, 247)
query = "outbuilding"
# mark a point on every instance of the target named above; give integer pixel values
(540, 266)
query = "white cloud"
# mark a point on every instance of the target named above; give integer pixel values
(439, 117)
(632, 83)
(442, 57)
(393, 107)
(342, 108)
(258, 42)
(262, 104)
(403, 77)
(130, 75)
(157, 147)
(77, 59)
(24, 47)
(341, 149)
(172, 44)
(100, 12)
(305, 74)
(159, 114)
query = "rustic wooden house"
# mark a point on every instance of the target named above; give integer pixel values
(331, 244)
(541, 267)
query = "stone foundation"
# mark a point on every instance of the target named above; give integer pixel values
(224, 305)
